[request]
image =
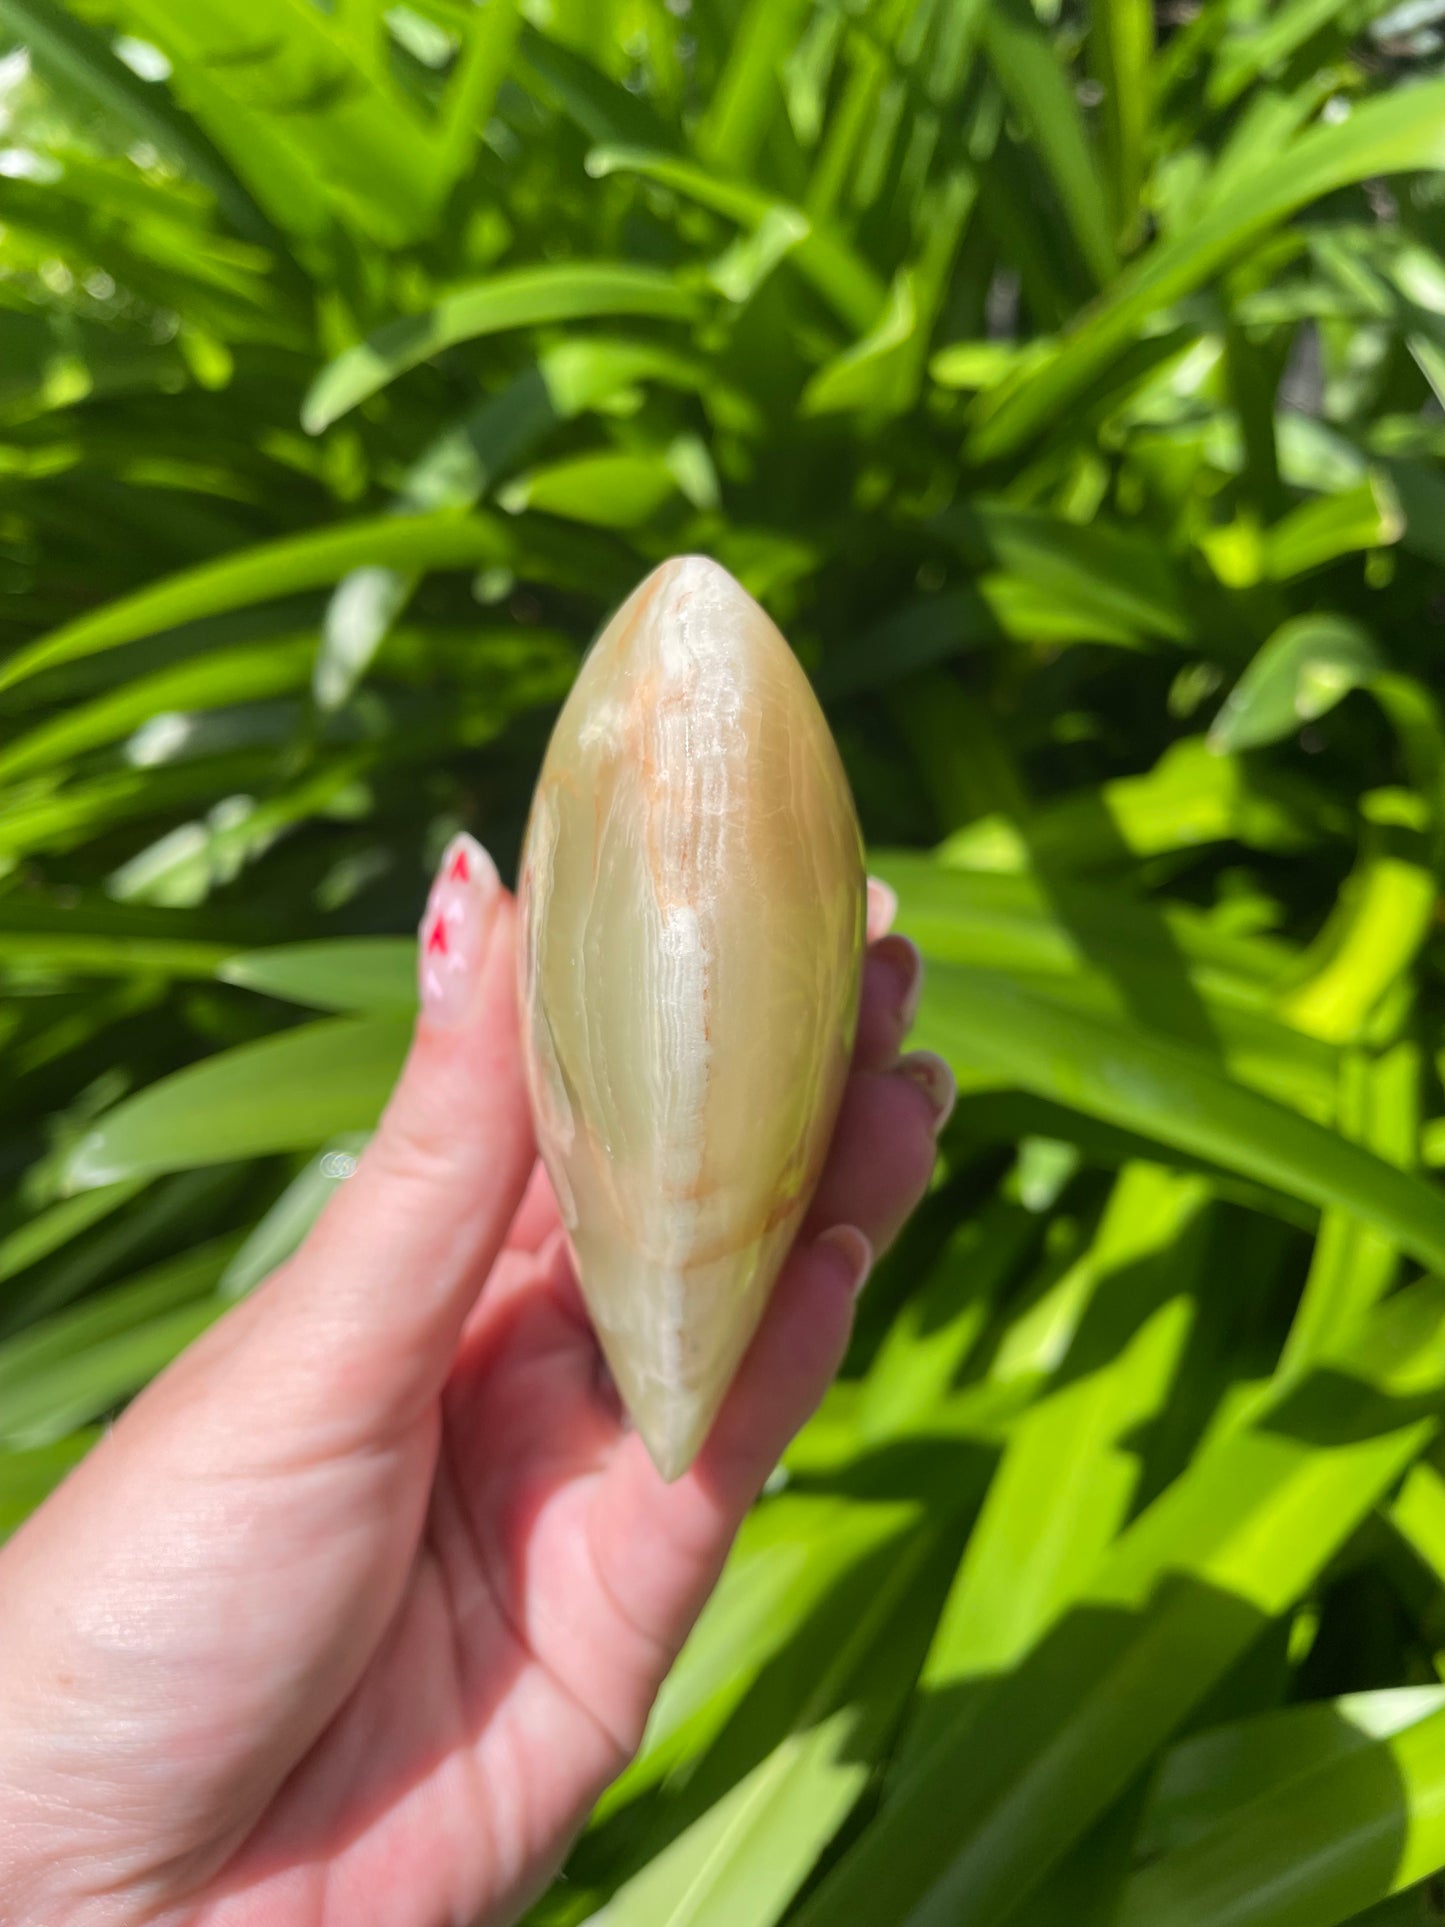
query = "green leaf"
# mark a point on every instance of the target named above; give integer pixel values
(1191, 798)
(356, 973)
(1308, 665)
(876, 373)
(1319, 532)
(1210, 1780)
(1385, 913)
(1121, 58)
(1417, 1512)
(748, 1853)
(178, 1209)
(75, 1366)
(289, 1220)
(100, 954)
(285, 1093)
(609, 491)
(982, 364)
(1040, 92)
(1128, 581)
(793, 1555)
(930, 1341)
(840, 274)
(1177, 1096)
(472, 94)
(215, 680)
(1367, 1821)
(1004, 1792)
(1387, 136)
(747, 97)
(601, 107)
(1070, 1471)
(58, 42)
(1264, 46)
(911, 637)
(31, 1475)
(1094, 949)
(273, 569)
(520, 298)
(1353, 1266)
(49, 1230)
(359, 617)
(1031, 927)
(288, 76)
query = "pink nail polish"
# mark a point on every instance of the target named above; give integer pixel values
(882, 908)
(460, 912)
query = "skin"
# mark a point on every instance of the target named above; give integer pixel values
(353, 1614)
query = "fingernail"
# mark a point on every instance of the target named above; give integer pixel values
(460, 912)
(935, 1080)
(882, 907)
(847, 1243)
(905, 960)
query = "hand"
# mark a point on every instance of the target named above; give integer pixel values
(358, 1608)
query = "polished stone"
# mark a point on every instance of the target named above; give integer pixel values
(693, 904)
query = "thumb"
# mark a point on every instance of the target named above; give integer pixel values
(377, 1296)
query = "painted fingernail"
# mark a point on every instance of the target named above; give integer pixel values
(460, 912)
(882, 907)
(847, 1243)
(904, 959)
(934, 1078)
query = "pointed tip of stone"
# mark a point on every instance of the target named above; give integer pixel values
(695, 564)
(673, 1339)
(674, 1436)
(684, 575)
(672, 1419)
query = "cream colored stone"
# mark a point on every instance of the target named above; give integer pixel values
(692, 904)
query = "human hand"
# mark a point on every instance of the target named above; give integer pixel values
(357, 1609)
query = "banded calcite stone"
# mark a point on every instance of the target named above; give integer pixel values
(692, 899)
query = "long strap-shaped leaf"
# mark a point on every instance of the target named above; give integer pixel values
(1006, 1791)
(1394, 134)
(287, 75)
(271, 570)
(76, 1365)
(523, 298)
(63, 45)
(1325, 1838)
(285, 1093)
(840, 274)
(1067, 1478)
(1176, 1096)
(1039, 88)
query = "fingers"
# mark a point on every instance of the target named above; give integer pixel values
(789, 1367)
(892, 985)
(537, 1217)
(379, 1292)
(893, 1109)
(883, 1149)
(882, 908)
(658, 1549)
(654, 1550)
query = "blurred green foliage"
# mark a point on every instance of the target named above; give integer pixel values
(1067, 380)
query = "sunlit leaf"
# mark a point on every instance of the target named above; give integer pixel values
(521, 299)
(285, 1093)
(1307, 666)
